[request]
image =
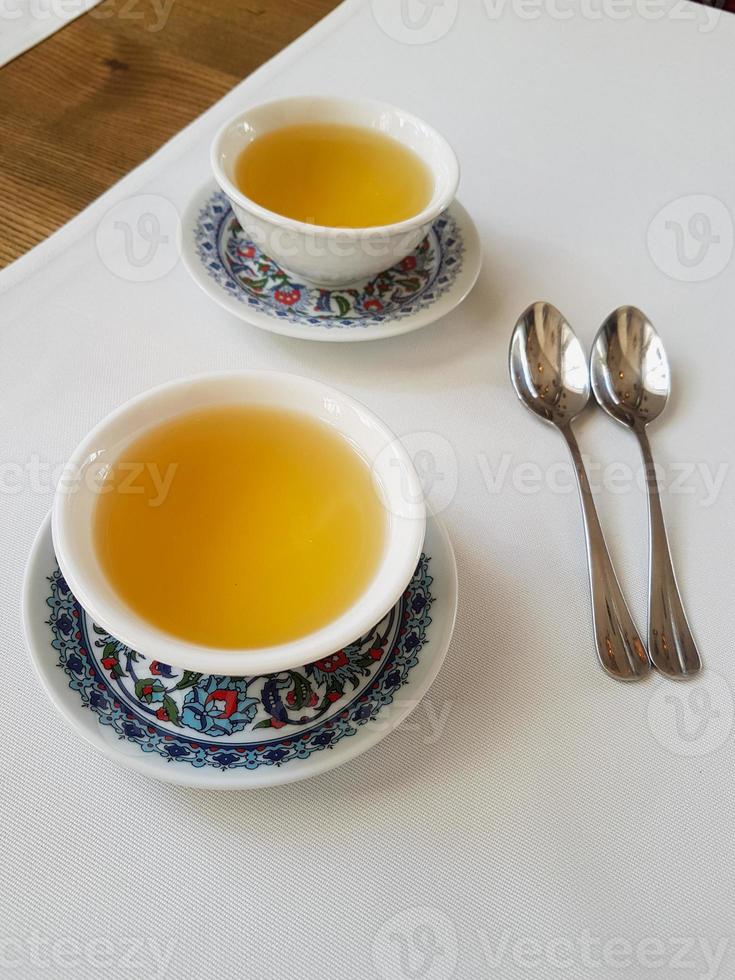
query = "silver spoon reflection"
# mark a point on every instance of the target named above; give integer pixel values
(549, 372)
(631, 381)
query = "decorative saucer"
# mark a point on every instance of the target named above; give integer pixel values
(426, 285)
(238, 732)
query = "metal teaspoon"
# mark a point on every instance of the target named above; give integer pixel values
(631, 381)
(549, 372)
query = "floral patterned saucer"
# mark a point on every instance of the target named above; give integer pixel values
(426, 285)
(238, 732)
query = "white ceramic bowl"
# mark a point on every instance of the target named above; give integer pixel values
(395, 475)
(334, 256)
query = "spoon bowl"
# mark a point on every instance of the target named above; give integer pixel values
(629, 368)
(631, 381)
(548, 366)
(548, 369)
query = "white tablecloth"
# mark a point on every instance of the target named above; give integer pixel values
(535, 819)
(24, 23)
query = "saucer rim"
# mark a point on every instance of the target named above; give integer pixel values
(128, 755)
(442, 306)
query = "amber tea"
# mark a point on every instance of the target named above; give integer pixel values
(334, 175)
(239, 526)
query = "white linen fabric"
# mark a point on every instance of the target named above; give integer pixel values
(533, 818)
(24, 23)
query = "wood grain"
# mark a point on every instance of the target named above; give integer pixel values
(85, 106)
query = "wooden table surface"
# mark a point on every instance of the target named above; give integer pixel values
(85, 106)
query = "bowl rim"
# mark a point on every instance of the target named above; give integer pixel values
(432, 210)
(132, 629)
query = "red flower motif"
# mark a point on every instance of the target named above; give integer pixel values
(291, 697)
(248, 253)
(330, 664)
(409, 263)
(333, 696)
(146, 690)
(287, 296)
(376, 653)
(162, 714)
(109, 662)
(373, 304)
(228, 697)
(276, 723)
(313, 700)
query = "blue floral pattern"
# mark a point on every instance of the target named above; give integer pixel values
(234, 722)
(239, 267)
(217, 706)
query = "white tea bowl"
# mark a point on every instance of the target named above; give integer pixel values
(320, 255)
(394, 476)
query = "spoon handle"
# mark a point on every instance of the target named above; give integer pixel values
(670, 641)
(619, 646)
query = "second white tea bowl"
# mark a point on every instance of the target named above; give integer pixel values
(394, 474)
(333, 257)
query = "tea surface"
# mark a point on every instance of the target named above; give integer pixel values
(239, 526)
(334, 175)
